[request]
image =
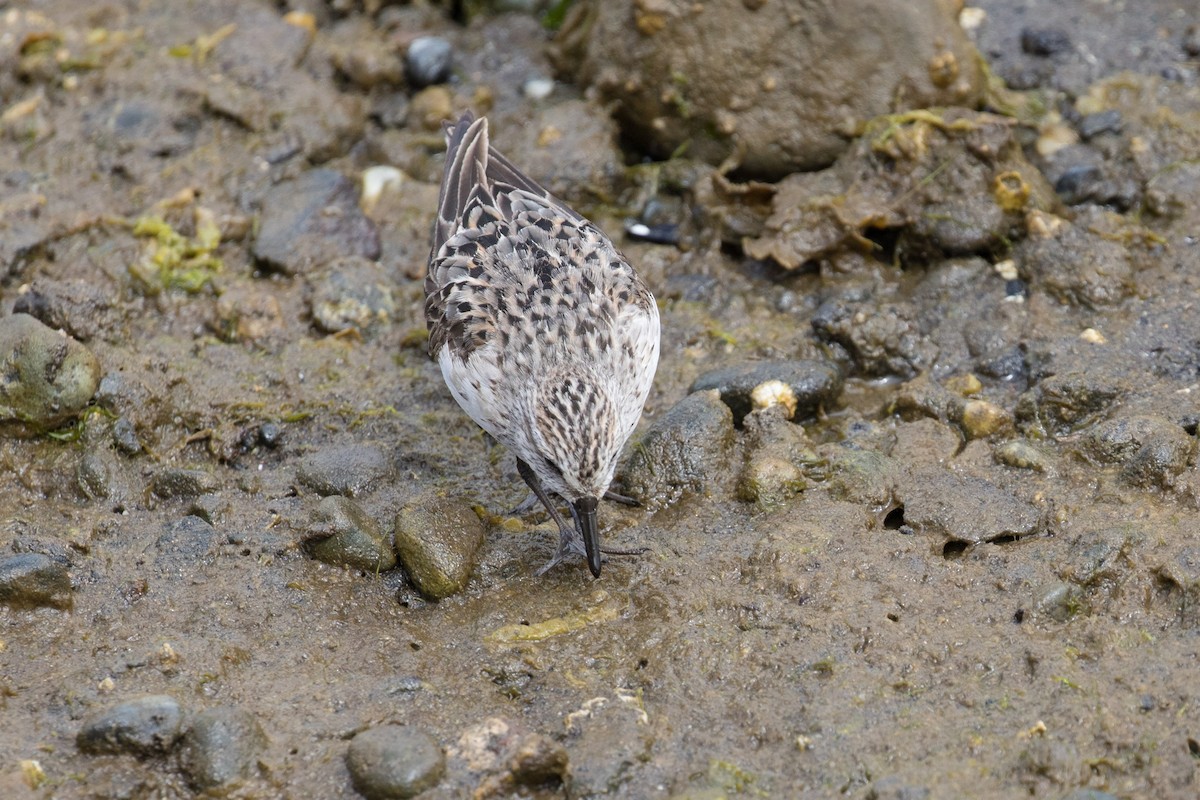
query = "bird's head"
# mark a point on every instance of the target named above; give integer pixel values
(578, 435)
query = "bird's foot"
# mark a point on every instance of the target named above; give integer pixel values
(569, 545)
(623, 499)
(623, 551)
(526, 506)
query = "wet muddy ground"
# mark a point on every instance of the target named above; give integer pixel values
(950, 549)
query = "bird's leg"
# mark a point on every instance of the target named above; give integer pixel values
(568, 541)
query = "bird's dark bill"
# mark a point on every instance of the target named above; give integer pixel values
(585, 512)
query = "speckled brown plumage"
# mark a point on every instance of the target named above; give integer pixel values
(545, 334)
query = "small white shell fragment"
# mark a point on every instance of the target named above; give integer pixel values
(1007, 269)
(773, 393)
(374, 181)
(1092, 336)
(971, 17)
(538, 88)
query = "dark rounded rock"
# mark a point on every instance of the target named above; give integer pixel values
(311, 220)
(1108, 121)
(142, 726)
(270, 435)
(30, 580)
(47, 378)
(1191, 41)
(816, 384)
(437, 542)
(344, 535)
(1079, 183)
(1152, 450)
(222, 746)
(1045, 41)
(686, 450)
(348, 469)
(428, 61)
(394, 761)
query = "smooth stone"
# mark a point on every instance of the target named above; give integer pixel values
(124, 436)
(1045, 41)
(343, 534)
(311, 220)
(347, 469)
(185, 540)
(437, 542)
(31, 580)
(222, 746)
(354, 294)
(142, 726)
(815, 384)
(686, 450)
(46, 378)
(394, 762)
(175, 482)
(428, 61)
(92, 476)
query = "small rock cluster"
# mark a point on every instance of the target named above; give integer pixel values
(217, 748)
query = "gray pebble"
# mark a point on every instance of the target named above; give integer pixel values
(437, 542)
(31, 580)
(1108, 121)
(348, 469)
(125, 436)
(394, 761)
(428, 61)
(1079, 183)
(185, 540)
(175, 482)
(343, 534)
(47, 377)
(311, 220)
(354, 294)
(142, 726)
(1045, 41)
(816, 384)
(222, 746)
(92, 476)
(270, 434)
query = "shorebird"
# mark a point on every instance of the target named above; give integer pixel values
(545, 334)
